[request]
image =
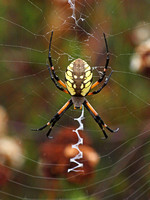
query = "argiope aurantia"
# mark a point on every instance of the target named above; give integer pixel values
(78, 83)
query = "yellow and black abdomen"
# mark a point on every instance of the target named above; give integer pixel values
(78, 78)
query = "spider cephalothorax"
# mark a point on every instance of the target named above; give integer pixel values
(78, 83)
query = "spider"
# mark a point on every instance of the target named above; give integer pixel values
(78, 83)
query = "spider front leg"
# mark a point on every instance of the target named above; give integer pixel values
(106, 65)
(56, 117)
(98, 119)
(51, 69)
(104, 84)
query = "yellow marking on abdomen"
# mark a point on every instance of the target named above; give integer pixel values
(86, 85)
(70, 67)
(69, 78)
(88, 68)
(85, 90)
(69, 73)
(71, 90)
(88, 78)
(87, 73)
(81, 86)
(74, 85)
(69, 84)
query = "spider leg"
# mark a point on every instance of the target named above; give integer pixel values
(51, 69)
(56, 117)
(53, 79)
(98, 119)
(104, 84)
(106, 65)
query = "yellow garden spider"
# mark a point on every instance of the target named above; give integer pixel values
(78, 83)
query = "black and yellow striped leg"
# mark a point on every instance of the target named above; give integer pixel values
(56, 117)
(104, 84)
(106, 65)
(98, 119)
(54, 77)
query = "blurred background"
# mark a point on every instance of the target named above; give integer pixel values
(35, 167)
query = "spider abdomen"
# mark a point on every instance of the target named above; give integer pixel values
(78, 78)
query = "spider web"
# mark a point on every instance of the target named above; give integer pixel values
(31, 99)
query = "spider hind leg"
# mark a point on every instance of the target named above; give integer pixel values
(40, 129)
(56, 117)
(98, 119)
(111, 130)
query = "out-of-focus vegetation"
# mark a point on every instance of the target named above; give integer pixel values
(30, 99)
